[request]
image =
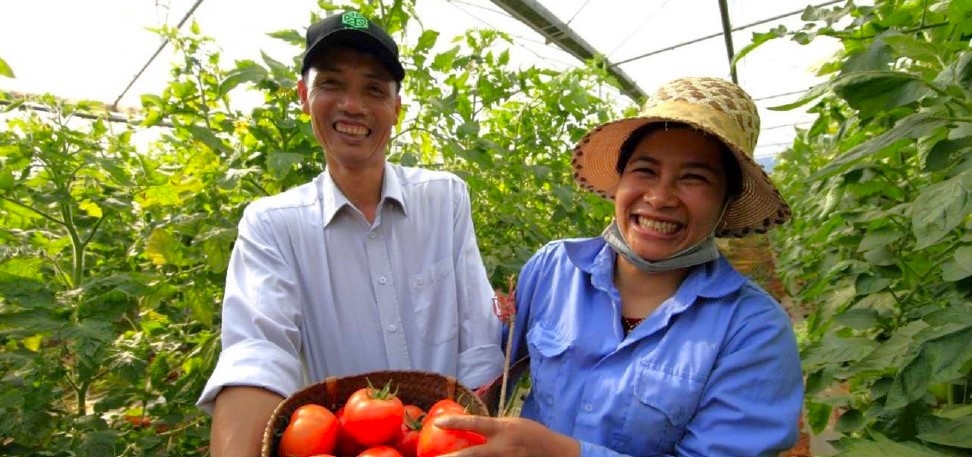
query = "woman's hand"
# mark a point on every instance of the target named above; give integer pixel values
(510, 437)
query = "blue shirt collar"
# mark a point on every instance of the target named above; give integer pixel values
(710, 280)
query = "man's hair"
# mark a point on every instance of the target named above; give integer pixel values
(729, 163)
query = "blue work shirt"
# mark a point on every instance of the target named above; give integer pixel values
(713, 372)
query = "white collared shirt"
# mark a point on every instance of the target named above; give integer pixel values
(313, 290)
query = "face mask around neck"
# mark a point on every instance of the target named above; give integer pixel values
(702, 252)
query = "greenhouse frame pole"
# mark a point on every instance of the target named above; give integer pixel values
(727, 34)
(546, 23)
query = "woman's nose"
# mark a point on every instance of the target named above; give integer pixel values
(660, 195)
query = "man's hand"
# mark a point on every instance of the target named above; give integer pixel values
(239, 418)
(510, 437)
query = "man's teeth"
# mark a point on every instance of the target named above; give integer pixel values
(350, 129)
(657, 226)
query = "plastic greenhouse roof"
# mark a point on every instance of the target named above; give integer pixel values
(94, 49)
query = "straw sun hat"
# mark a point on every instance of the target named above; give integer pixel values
(714, 106)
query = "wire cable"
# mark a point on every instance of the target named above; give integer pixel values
(714, 35)
(154, 55)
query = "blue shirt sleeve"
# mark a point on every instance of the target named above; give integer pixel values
(754, 394)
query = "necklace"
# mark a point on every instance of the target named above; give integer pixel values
(629, 323)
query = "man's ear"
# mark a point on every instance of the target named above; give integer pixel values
(302, 94)
(398, 106)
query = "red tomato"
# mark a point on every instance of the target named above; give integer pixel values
(435, 441)
(407, 441)
(373, 416)
(380, 451)
(345, 444)
(312, 430)
(443, 406)
(413, 414)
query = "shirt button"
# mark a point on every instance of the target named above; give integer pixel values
(588, 407)
(392, 328)
(372, 235)
(382, 280)
(418, 281)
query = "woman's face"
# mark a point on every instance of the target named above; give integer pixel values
(671, 192)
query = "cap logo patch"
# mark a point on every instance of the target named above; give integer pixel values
(354, 20)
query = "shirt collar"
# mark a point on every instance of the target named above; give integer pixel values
(333, 200)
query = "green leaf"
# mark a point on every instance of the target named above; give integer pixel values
(90, 208)
(891, 354)
(443, 61)
(426, 41)
(249, 73)
(909, 128)
(836, 350)
(938, 359)
(850, 421)
(858, 318)
(811, 94)
(857, 447)
(290, 36)
(5, 69)
(912, 48)
(162, 248)
(947, 432)
(206, 136)
(868, 284)
(941, 207)
(818, 415)
(279, 164)
(758, 40)
(941, 155)
(960, 266)
(877, 56)
(873, 92)
(879, 237)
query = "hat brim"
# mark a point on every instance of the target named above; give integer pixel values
(358, 39)
(758, 207)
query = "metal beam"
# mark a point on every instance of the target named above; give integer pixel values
(544, 22)
(727, 34)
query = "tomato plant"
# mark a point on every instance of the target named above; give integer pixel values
(373, 416)
(312, 430)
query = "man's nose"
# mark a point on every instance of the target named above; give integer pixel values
(351, 103)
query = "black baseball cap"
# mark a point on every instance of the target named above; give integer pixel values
(354, 30)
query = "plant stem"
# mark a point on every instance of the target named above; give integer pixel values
(506, 369)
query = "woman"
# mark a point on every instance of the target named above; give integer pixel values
(645, 340)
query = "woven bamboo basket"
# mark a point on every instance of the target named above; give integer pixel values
(419, 388)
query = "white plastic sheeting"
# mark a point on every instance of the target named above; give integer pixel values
(93, 49)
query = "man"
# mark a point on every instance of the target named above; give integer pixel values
(370, 266)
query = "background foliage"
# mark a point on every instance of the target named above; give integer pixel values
(114, 237)
(880, 246)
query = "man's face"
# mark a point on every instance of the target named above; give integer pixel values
(353, 103)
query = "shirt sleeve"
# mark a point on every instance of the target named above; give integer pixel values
(260, 334)
(754, 394)
(480, 356)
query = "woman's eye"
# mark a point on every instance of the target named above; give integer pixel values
(695, 177)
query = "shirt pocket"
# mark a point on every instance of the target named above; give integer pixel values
(436, 306)
(547, 349)
(664, 403)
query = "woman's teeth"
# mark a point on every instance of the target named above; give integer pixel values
(657, 226)
(349, 129)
